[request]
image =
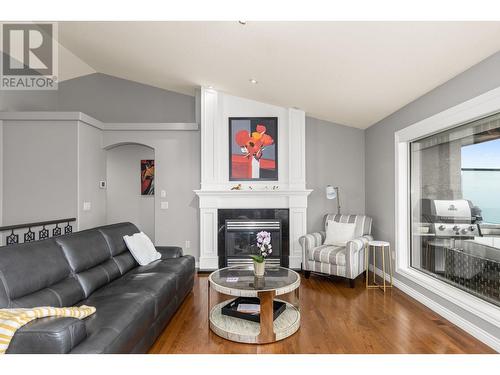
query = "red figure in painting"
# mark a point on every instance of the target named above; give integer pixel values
(147, 177)
(249, 164)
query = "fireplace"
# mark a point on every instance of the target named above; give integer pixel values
(237, 235)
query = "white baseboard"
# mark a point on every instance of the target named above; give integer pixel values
(208, 263)
(295, 262)
(454, 318)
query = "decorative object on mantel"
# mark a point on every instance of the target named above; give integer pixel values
(332, 193)
(148, 177)
(256, 188)
(265, 249)
(253, 148)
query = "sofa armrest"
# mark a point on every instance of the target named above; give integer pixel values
(51, 335)
(355, 258)
(168, 252)
(309, 242)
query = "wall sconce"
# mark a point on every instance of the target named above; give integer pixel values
(332, 193)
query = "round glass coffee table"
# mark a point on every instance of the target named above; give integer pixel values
(240, 281)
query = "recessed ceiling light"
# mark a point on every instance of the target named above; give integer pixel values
(242, 22)
(253, 80)
(210, 87)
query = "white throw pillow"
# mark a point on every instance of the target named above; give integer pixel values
(338, 234)
(142, 248)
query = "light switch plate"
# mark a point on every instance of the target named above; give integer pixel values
(164, 205)
(87, 206)
(163, 194)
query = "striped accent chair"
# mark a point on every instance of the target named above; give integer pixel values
(345, 261)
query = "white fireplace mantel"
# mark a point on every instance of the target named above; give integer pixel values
(211, 201)
(288, 192)
(248, 198)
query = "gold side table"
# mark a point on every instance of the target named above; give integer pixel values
(382, 245)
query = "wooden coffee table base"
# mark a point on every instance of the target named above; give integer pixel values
(245, 331)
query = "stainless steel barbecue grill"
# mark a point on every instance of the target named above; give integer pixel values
(452, 249)
(450, 218)
(443, 222)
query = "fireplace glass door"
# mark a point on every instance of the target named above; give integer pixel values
(241, 239)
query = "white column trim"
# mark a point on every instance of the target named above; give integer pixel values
(208, 124)
(297, 148)
(209, 259)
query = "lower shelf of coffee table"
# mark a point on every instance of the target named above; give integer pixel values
(245, 331)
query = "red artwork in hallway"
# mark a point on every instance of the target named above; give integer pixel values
(253, 149)
(147, 177)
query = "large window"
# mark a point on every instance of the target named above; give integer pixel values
(455, 207)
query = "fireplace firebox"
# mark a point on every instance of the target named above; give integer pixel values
(237, 235)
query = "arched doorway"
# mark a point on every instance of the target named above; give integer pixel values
(124, 200)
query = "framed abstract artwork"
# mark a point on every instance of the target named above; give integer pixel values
(253, 148)
(147, 177)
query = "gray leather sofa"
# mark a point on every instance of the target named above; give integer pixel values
(93, 267)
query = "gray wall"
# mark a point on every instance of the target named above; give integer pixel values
(107, 98)
(124, 199)
(91, 170)
(178, 163)
(40, 178)
(111, 99)
(379, 158)
(335, 155)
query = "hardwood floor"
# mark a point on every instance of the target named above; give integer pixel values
(335, 319)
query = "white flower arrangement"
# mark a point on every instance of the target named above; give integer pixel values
(264, 245)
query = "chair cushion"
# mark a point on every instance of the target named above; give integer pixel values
(328, 268)
(338, 234)
(363, 223)
(328, 254)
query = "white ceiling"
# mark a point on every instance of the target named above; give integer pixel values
(351, 73)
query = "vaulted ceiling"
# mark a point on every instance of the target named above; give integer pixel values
(352, 73)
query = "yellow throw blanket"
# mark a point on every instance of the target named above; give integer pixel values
(13, 319)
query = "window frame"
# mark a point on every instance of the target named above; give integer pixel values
(471, 110)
